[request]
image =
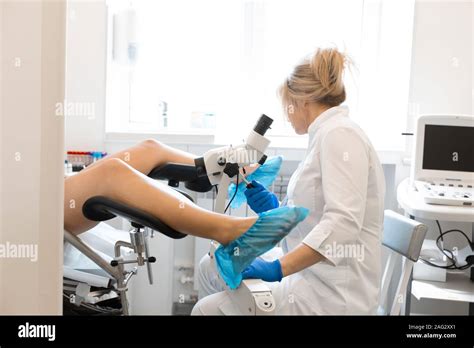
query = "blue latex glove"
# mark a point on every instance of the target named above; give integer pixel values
(260, 199)
(261, 269)
(265, 174)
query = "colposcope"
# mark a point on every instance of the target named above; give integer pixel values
(222, 164)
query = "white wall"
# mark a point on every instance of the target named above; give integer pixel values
(85, 78)
(32, 36)
(442, 75)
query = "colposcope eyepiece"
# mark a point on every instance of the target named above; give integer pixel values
(200, 165)
(263, 124)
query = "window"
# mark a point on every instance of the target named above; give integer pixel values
(213, 66)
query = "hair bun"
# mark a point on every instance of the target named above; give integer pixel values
(327, 65)
(317, 78)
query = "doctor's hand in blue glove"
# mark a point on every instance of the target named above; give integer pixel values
(265, 270)
(260, 199)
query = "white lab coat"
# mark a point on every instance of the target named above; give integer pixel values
(341, 182)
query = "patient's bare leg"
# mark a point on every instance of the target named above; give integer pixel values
(117, 179)
(150, 154)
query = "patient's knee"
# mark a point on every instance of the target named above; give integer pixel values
(113, 169)
(113, 164)
(152, 144)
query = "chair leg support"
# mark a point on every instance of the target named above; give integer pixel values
(402, 288)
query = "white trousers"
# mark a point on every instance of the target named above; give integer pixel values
(214, 300)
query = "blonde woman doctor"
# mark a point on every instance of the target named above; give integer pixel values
(331, 261)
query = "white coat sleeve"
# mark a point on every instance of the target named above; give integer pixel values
(344, 160)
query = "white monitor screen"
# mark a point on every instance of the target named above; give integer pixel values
(448, 148)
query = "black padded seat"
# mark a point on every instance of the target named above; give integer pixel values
(177, 172)
(100, 208)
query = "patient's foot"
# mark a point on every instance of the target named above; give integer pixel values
(269, 229)
(236, 227)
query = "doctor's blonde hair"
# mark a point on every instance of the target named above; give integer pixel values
(318, 78)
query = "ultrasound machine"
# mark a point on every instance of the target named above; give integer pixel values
(443, 167)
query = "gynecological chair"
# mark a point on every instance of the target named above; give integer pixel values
(216, 168)
(111, 278)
